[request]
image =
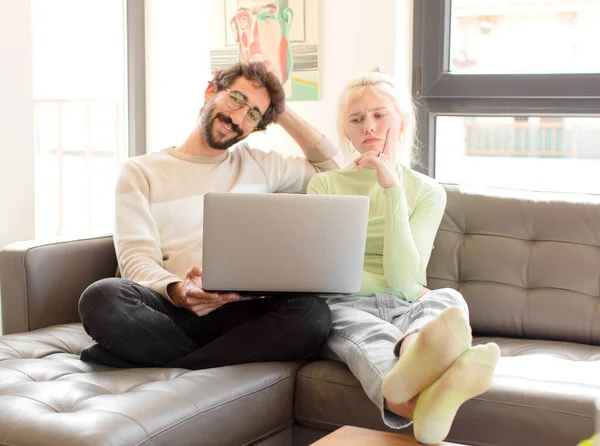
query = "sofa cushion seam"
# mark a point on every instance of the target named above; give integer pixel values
(528, 406)
(328, 382)
(513, 285)
(517, 238)
(272, 432)
(208, 409)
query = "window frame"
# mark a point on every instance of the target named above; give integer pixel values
(436, 91)
(135, 65)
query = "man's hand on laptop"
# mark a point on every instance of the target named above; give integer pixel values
(189, 294)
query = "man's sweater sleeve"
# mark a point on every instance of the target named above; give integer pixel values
(136, 235)
(292, 174)
(408, 239)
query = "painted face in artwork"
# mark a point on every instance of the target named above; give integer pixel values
(261, 30)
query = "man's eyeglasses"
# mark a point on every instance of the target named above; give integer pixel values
(236, 100)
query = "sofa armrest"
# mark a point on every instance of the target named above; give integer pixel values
(41, 282)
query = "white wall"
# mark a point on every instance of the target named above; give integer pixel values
(177, 68)
(16, 123)
(356, 36)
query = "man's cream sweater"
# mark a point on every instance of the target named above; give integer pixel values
(159, 202)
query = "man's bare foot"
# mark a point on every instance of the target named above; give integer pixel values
(437, 346)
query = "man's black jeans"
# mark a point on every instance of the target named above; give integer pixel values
(136, 327)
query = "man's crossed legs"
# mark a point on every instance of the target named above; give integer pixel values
(136, 327)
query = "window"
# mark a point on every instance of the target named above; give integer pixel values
(534, 153)
(84, 98)
(508, 92)
(524, 36)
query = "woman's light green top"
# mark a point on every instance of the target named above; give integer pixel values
(403, 222)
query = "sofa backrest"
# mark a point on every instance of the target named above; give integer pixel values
(528, 266)
(42, 282)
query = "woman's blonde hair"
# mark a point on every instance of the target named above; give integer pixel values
(384, 84)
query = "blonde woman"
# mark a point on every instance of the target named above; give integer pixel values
(409, 347)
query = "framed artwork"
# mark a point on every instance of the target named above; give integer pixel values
(284, 34)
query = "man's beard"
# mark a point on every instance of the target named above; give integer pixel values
(208, 126)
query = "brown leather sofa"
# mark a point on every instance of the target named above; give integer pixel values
(528, 266)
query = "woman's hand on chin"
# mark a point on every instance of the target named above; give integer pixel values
(384, 165)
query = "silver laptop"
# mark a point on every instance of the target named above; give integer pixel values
(267, 244)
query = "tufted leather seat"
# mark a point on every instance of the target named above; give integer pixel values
(529, 267)
(48, 396)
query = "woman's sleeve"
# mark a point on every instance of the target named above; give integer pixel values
(408, 239)
(318, 185)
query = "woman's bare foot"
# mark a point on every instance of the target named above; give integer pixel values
(405, 410)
